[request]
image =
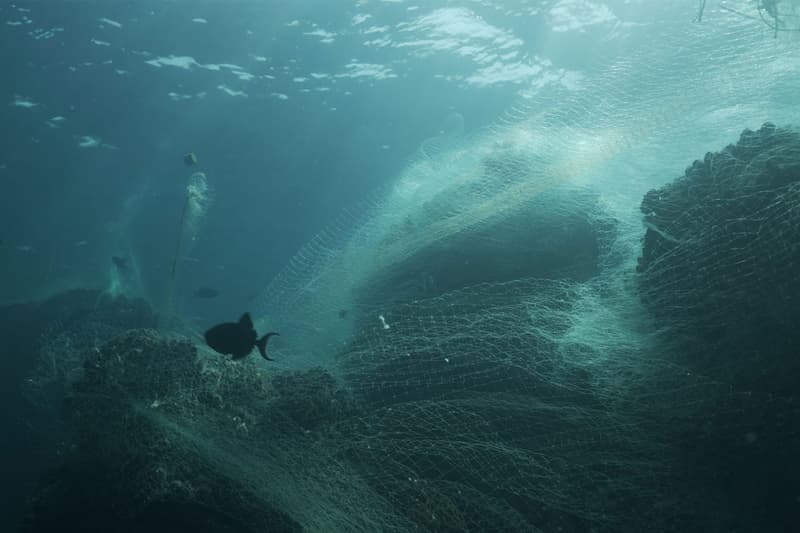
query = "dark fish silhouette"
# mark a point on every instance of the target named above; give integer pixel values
(206, 292)
(238, 338)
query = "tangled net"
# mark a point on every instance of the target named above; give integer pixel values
(499, 431)
(719, 259)
(476, 352)
(68, 325)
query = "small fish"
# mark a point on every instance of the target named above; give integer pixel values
(238, 338)
(206, 292)
(190, 159)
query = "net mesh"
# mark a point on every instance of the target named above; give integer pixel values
(623, 126)
(719, 259)
(534, 393)
(502, 426)
(66, 327)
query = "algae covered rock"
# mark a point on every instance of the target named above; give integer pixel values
(155, 442)
(721, 254)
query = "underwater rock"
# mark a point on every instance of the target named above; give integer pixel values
(84, 497)
(720, 273)
(561, 234)
(43, 344)
(311, 398)
(164, 434)
(720, 257)
(152, 419)
(63, 328)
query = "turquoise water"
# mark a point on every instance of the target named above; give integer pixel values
(520, 281)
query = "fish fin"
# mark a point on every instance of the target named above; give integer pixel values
(262, 345)
(246, 321)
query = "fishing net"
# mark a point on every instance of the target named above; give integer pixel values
(474, 349)
(719, 262)
(719, 250)
(623, 126)
(65, 327)
(719, 273)
(503, 426)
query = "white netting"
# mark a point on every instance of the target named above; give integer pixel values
(495, 370)
(634, 119)
(720, 258)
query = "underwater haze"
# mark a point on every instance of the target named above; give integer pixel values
(532, 265)
(295, 112)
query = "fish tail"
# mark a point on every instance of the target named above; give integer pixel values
(262, 345)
